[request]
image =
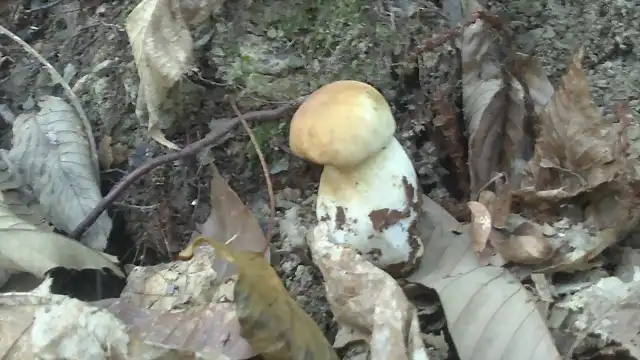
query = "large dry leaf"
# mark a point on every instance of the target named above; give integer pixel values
(230, 220)
(182, 305)
(271, 321)
(576, 149)
(24, 247)
(494, 104)
(56, 327)
(388, 321)
(489, 313)
(579, 156)
(162, 48)
(52, 154)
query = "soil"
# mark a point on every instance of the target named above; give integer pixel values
(266, 52)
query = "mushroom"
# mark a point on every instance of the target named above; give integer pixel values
(368, 191)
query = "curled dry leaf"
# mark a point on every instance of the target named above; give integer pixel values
(494, 103)
(57, 327)
(183, 305)
(52, 153)
(388, 321)
(163, 50)
(25, 247)
(489, 313)
(231, 221)
(525, 245)
(271, 321)
(480, 227)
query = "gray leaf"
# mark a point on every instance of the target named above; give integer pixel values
(52, 153)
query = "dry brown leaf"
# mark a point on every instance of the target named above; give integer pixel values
(163, 50)
(576, 149)
(579, 155)
(526, 245)
(494, 104)
(271, 321)
(480, 226)
(231, 220)
(388, 322)
(489, 313)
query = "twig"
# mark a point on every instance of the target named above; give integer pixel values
(209, 140)
(265, 169)
(55, 75)
(44, 7)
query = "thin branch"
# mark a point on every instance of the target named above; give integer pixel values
(55, 75)
(223, 128)
(265, 169)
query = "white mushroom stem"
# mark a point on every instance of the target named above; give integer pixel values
(373, 207)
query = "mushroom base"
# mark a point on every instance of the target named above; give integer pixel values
(373, 207)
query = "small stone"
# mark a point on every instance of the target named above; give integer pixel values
(272, 33)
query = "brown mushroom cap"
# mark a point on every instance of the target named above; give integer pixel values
(342, 124)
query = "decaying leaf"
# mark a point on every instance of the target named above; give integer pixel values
(183, 305)
(489, 313)
(230, 220)
(576, 245)
(480, 227)
(57, 327)
(603, 312)
(24, 247)
(494, 104)
(501, 207)
(525, 245)
(271, 321)
(388, 321)
(51, 152)
(163, 50)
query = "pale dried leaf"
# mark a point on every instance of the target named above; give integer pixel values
(16, 198)
(607, 310)
(163, 50)
(489, 313)
(57, 327)
(480, 226)
(350, 280)
(52, 153)
(25, 247)
(153, 303)
(231, 220)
